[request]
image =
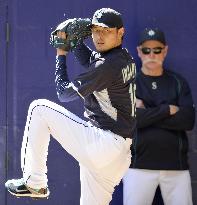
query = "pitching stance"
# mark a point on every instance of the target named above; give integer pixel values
(102, 144)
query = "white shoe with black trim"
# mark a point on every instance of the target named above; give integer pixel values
(17, 187)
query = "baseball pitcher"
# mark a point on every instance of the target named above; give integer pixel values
(102, 144)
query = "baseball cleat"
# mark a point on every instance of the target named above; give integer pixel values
(18, 188)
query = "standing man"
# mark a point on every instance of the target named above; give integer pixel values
(165, 112)
(101, 145)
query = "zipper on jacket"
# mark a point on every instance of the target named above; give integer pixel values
(180, 151)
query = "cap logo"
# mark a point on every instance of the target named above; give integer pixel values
(99, 15)
(151, 33)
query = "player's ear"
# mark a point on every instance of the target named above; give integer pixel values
(121, 32)
(165, 50)
(138, 51)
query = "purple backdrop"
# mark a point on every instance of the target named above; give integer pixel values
(27, 65)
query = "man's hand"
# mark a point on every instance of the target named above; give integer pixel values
(139, 103)
(76, 30)
(173, 109)
(62, 35)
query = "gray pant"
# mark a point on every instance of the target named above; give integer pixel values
(139, 186)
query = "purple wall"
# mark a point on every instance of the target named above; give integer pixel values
(3, 97)
(27, 67)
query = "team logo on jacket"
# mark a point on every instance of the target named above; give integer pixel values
(154, 85)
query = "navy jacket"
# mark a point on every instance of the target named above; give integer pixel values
(161, 142)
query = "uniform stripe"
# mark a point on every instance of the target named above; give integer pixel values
(105, 103)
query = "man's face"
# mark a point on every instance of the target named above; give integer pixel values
(105, 39)
(152, 54)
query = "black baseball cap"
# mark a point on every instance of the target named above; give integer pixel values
(152, 34)
(107, 17)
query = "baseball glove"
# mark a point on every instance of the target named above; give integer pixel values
(76, 29)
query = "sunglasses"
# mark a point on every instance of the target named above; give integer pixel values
(156, 50)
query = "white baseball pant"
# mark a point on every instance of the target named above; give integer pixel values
(139, 186)
(104, 157)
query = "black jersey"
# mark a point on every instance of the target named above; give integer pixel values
(108, 88)
(161, 142)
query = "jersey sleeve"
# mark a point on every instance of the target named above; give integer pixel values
(66, 91)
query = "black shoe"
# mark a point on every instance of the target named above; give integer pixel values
(17, 187)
